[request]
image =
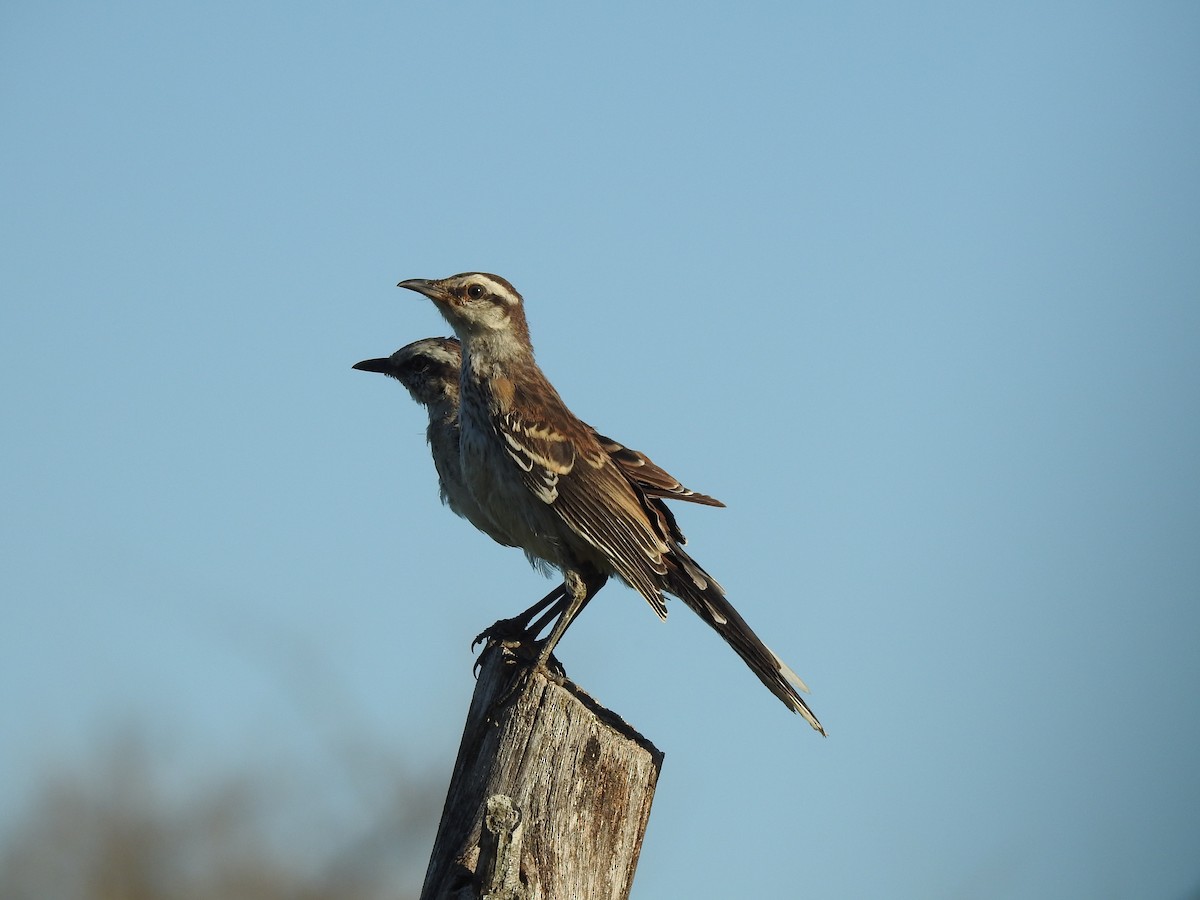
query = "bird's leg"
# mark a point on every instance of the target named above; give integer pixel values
(517, 627)
(583, 589)
(550, 615)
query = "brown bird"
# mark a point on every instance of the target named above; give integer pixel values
(430, 369)
(544, 479)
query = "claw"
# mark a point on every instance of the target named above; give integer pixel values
(503, 631)
(518, 628)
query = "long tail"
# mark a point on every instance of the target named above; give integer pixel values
(706, 598)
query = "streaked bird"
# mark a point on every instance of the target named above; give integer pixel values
(545, 480)
(430, 370)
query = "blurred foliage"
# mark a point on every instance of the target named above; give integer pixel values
(133, 825)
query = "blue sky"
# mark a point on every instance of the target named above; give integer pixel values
(914, 290)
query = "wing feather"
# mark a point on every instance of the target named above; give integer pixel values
(595, 500)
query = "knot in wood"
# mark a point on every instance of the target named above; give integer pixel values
(499, 867)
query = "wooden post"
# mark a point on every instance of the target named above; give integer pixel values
(550, 794)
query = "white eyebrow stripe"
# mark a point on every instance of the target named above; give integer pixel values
(440, 354)
(435, 348)
(493, 286)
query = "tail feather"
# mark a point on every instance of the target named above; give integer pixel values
(700, 591)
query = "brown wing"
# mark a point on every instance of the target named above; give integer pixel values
(574, 475)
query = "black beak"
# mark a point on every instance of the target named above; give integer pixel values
(382, 366)
(431, 289)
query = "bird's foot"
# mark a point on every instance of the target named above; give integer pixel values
(512, 635)
(505, 631)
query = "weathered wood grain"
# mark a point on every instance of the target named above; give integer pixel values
(564, 785)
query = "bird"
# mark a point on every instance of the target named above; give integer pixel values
(547, 482)
(430, 370)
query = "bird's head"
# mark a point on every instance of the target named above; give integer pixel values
(477, 305)
(429, 368)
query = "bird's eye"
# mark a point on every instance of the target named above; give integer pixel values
(475, 291)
